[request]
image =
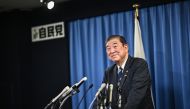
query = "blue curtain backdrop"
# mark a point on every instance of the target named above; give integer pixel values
(166, 37)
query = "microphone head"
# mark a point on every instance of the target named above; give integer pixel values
(66, 88)
(91, 85)
(111, 86)
(103, 85)
(100, 89)
(77, 85)
(84, 79)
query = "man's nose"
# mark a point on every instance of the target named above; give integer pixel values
(112, 50)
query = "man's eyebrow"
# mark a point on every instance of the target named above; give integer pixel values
(111, 44)
(115, 43)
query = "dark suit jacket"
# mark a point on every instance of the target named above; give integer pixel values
(135, 85)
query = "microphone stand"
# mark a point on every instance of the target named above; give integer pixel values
(92, 103)
(84, 95)
(68, 94)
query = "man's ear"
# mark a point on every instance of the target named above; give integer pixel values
(125, 45)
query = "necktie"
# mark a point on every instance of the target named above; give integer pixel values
(120, 74)
(119, 88)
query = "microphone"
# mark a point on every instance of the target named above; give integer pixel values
(74, 89)
(110, 93)
(77, 85)
(91, 85)
(100, 89)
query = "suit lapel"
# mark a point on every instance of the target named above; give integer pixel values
(125, 71)
(114, 81)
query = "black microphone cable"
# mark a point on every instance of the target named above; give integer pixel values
(91, 85)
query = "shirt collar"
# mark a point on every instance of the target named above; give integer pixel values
(123, 65)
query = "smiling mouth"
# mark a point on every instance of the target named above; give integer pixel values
(114, 56)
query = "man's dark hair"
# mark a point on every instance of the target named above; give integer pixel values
(121, 38)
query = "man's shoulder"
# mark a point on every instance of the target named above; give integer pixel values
(136, 62)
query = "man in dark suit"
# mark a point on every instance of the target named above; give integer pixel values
(130, 77)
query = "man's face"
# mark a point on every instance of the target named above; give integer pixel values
(116, 51)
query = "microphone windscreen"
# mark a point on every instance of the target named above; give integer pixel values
(85, 78)
(91, 85)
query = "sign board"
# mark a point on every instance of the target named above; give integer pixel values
(48, 32)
